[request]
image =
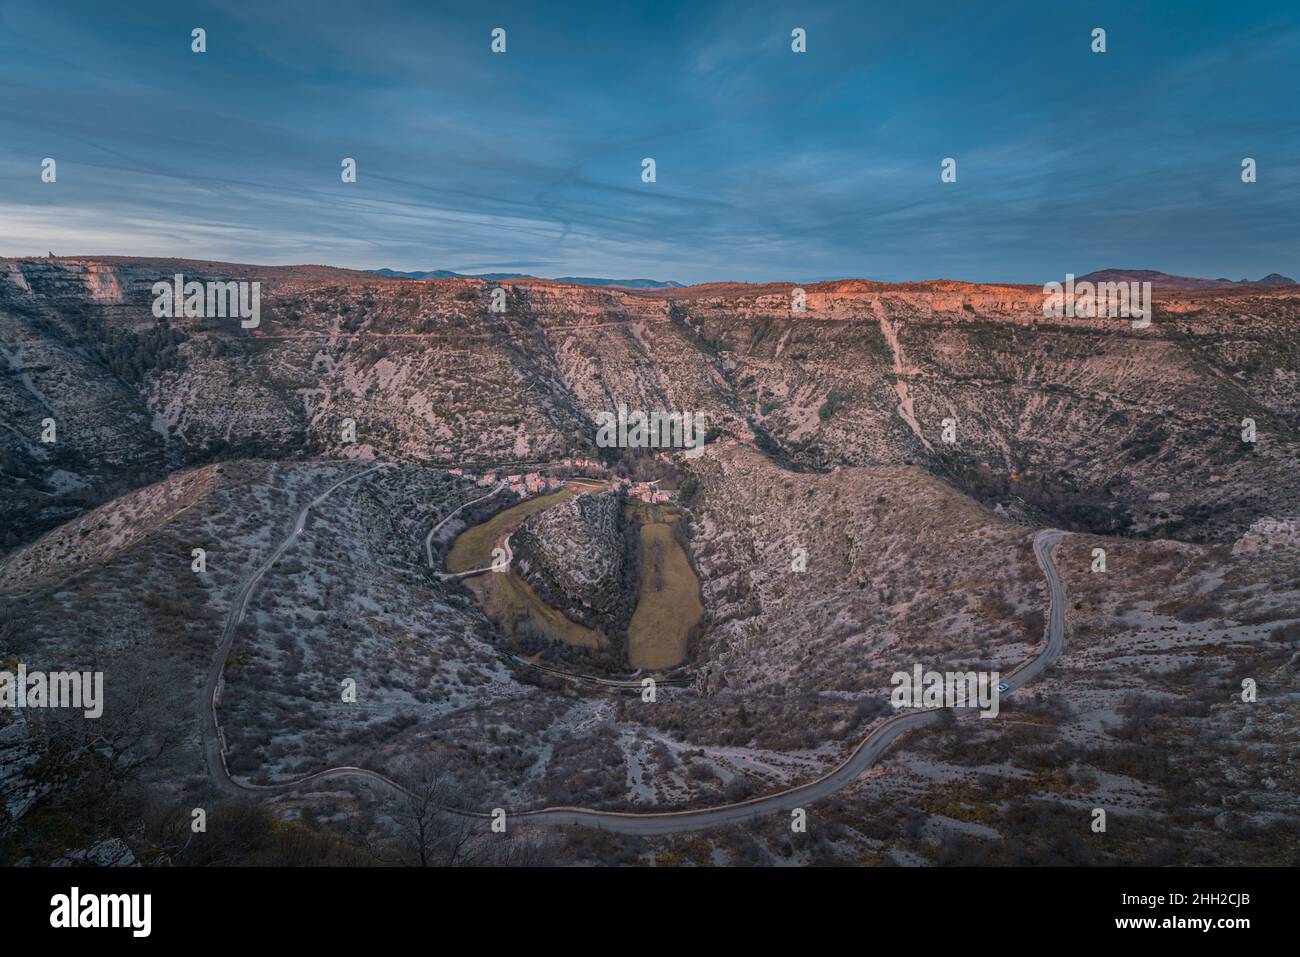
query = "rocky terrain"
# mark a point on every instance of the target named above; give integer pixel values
(838, 534)
(579, 556)
(1089, 424)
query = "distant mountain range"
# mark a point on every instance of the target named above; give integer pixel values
(1155, 277)
(499, 276)
(1180, 282)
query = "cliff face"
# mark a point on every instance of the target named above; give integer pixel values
(577, 556)
(1086, 423)
(827, 526)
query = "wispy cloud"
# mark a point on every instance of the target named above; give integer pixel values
(771, 165)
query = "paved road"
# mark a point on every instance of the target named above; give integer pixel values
(214, 748)
(651, 823)
(428, 539)
(862, 758)
(510, 557)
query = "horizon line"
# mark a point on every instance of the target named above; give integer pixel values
(576, 279)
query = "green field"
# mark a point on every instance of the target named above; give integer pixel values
(667, 610)
(669, 607)
(505, 597)
(473, 549)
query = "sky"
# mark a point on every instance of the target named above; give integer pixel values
(770, 165)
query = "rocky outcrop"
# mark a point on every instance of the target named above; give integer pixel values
(967, 381)
(578, 556)
(112, 852)
(1269, 534)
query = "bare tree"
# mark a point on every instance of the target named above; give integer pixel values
(429, 827)
(138, 725)
(90, 768)
(428, 832)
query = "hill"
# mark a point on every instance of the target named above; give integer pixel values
(1180, 282)
(866, 375)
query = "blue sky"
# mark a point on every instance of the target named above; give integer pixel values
(771, 165)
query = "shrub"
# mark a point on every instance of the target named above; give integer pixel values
(834, 402)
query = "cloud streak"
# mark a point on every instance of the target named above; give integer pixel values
(771, 165)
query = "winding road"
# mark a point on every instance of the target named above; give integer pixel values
(428, 539)
(503, 544)
(214, 742)
(623, 822)
(866, 753)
